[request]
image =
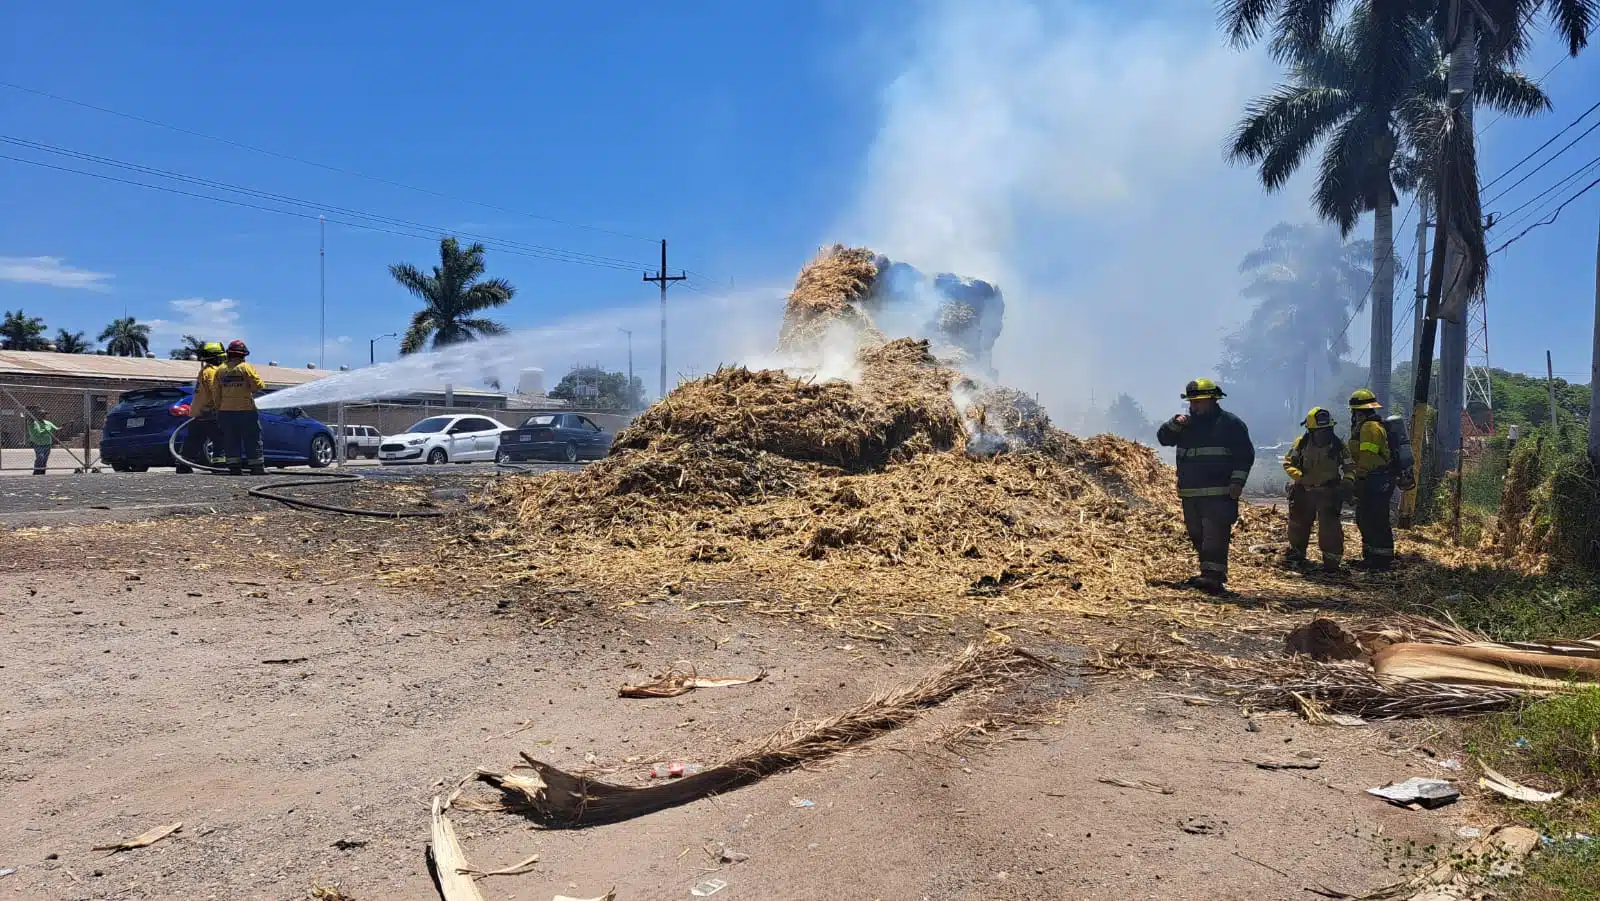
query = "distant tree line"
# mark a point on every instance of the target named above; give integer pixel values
(124, 337)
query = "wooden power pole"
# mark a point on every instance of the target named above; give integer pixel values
(1594, 365)
(663, 279)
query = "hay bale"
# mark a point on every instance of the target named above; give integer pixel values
(827, 297)
(901, 407)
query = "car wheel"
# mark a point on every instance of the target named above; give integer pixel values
(139, 468)
(571, 455)
(119, 467)
(321, 451)
(502, 457)
(437, 457)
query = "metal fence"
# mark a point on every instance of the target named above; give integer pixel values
(78, 413)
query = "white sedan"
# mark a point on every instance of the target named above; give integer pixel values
(444, 439)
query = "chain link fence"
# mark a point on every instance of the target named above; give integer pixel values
(79, 415)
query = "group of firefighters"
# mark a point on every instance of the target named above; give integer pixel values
(223, 412)
(1214, 457)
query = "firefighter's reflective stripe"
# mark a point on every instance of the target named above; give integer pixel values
(1208, 566)
(1223, 491)
(1241, 475)
(1371, 448)
(1204, 452)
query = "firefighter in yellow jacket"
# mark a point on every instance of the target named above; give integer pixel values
(236, 385)
(203, 411)
(1370, 481)
(1316, 467)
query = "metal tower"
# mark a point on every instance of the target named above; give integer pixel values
(1479, 387)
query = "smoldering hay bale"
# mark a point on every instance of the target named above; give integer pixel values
(559, 798)
(827, 297)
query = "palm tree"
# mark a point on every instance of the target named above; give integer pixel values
(71, 342)
(190, 349)
(450, 297)
(1368, 93)
(1486, 33)
(126, 337)
(1307, 282)
(20, 331)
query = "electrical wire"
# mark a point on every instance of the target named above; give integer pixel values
(1540, 81)
(553, 253)
(1557, 155)
(266, 209)
(1553, 217)
(324, 166)
(1542, 195)
(1400, 267)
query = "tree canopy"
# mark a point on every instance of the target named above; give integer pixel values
(19, 331)
(600, 387)
(126, 337)
(452, 297)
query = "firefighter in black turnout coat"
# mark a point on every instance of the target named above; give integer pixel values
(1214, 460)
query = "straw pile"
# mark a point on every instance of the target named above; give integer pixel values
(911, 488)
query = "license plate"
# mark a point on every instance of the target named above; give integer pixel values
(524, 437)
(136, 422)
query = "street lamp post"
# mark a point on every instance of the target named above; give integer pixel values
(372, 347)
(629, 333)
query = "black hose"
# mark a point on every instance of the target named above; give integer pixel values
(268, 491)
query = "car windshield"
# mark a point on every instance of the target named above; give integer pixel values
(436, 424)
(547, 419)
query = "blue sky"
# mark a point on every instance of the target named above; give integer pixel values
(1070, 150)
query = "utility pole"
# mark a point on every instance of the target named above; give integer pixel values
(1594, 365)
(1462, 43)
(629, 333)
(322, 291)
(663, 279)
(1550, 388)
(1430, 323)
(1422, 283)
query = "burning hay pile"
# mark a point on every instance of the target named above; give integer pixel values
(911, 487)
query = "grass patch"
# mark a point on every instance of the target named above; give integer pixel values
(1510, 607)
(1553, 744)
(1557, 738)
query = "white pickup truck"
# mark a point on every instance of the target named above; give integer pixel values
(360, 441)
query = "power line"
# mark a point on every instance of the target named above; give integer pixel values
(239, 203)
(1361, 304)
(1557, 155)
(1541, 80)
(1537, 198)
(534, 250)
(1543, 222)
(324, 166)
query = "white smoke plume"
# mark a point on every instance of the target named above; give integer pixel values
(1073, 154)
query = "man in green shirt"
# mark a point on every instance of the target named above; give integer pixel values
(42, 435)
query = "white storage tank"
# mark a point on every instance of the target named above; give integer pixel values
(531, 381)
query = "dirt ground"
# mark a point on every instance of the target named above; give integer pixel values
(299, 729)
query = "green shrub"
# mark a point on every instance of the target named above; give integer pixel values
(1574, 511)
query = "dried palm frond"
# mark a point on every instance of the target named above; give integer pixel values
(567, 799)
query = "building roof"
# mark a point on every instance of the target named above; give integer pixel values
(20, 364)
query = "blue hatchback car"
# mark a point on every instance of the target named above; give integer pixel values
(139, 428)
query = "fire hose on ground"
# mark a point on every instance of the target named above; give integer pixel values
(270, 490)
